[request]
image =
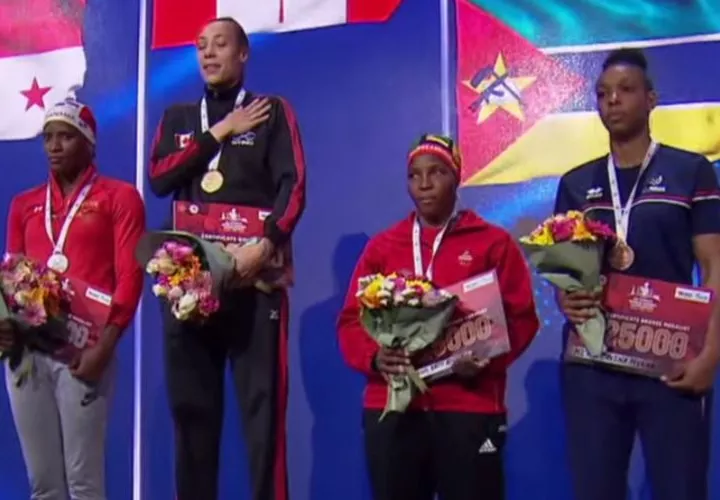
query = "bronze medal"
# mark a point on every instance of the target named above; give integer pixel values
(212, 181)
(622, 256)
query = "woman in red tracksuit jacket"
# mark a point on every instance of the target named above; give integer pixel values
(450, 440)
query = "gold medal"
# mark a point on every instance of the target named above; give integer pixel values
(622, 256)
(212, 181)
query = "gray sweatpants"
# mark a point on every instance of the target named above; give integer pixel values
(63, 442)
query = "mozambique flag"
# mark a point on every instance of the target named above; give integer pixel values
(526, 112)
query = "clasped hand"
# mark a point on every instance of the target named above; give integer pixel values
(397, 361)
(90, 364)
(697, 375)
(250, 259)
(579, 306)
(7, 335)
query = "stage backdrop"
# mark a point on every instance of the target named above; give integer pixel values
(365, 83)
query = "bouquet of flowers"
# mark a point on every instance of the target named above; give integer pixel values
(189, 273)
(181, 280)
(403, 313)
(568, 250)
(35, 304)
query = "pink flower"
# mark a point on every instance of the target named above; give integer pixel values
(34, 314)
(208, 305)
(177, 251)
(161, 254)
(206, 279)
(562, 230)
(170, 246)
(182, 253)
(10, 261)
(600, 229)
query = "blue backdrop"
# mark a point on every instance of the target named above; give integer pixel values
(362, 93)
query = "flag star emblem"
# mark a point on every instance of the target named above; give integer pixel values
(35, 95)
(497, 89)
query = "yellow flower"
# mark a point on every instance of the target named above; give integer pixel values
(369, 302)
(373, 287)
(369, 292)
(542, 236)
(422, 284)
(34, 296)
(581, 233)
(180, 275)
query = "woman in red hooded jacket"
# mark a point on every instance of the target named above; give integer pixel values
(450, 440)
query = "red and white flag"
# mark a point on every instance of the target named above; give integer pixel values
(178, 22)
(42, 61)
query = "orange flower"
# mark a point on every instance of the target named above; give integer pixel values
(581, 233)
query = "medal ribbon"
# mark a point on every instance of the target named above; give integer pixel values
(417, 250)
(620, 211)
(60, 243)
(205, 125)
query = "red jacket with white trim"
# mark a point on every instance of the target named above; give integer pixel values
(470, 246)
(101, 239)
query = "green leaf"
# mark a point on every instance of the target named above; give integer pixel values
(411, 328)
(592, 333)
(564, 282)
(4, 310)
(581, 260)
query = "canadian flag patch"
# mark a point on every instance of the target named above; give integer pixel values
(182, 140)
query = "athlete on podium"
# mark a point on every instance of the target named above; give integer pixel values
(665, 205)
(450, 441)
(236, 157)
(84, 226)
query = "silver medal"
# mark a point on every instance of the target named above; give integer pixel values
(58, 262)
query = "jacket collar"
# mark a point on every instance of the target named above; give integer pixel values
(466, 220)
(84, 177)
(228, 94)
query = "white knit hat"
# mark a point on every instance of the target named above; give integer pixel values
(76, 114)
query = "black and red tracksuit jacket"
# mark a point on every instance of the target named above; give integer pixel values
(263, 168)
(470, 246)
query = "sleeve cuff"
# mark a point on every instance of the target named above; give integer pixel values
(373, 364)
(119, 319)
(274, 234)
